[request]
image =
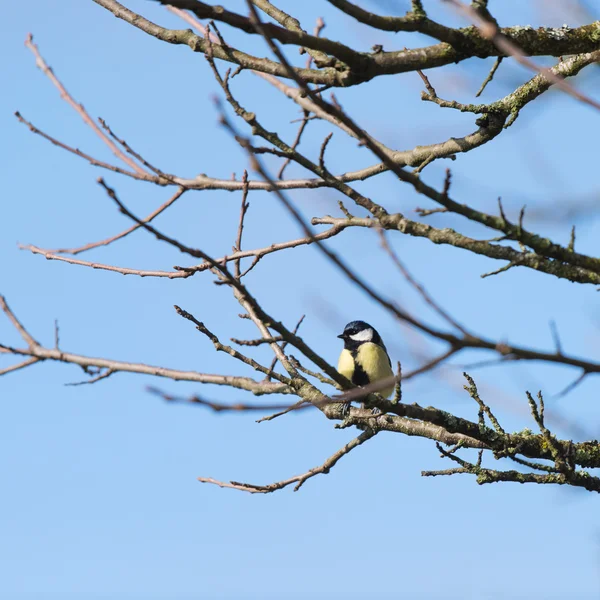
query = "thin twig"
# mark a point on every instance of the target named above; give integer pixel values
(201, 327)
(490, 76)
(417, 286)
(283, 347)
(56, 334)
(21, 365)
(319, 376)
(425, 212)
(304, 122)
(306, 114)
(135, 154)
(183, 272)
(322, 151)
(119, 236)
(178, 274)
(484, 408)
(238, 240)
(41, 63)
(556, 337)
(510, 265)
(571, 245)
(430, 89)
(99, 377)
(296, 406)
(534, 465)
(257, 342)
(569, 388)
(298, 479)
(217, 406)
(97, 163)
(27, 337)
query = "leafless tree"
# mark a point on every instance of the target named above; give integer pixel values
(305, 376)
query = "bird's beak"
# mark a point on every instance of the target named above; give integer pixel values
(341, 336)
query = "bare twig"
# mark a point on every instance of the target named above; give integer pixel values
(569, 388)
(556, 337)
(257, 342)
(119, 236)
(571, 245)
(178, 274)
(303, 123)
(490, 76)
(56, 334)
(322, 151)
(283, 346)
(417, 286)
(238, 240)
(430, 89)
(319, 376)
(99, 377)
(97, 163)
(472, 389)
(218, 406)
(510, 265)
(135, 154)
(21, 365)
(27, 337)
(298, 479)
(41, 63)
(228, 349)
(291, 408)
(39, 352)
(425, 212)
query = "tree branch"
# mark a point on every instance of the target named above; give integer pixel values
(298, 479)
(540, 42)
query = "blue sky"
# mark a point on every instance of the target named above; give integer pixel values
(100, 498)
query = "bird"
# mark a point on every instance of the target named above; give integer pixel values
(364, 358)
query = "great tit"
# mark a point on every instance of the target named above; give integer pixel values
(364, 358)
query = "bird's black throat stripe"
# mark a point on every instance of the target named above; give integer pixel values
(359, 377)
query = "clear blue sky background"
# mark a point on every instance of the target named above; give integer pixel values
(100, 498)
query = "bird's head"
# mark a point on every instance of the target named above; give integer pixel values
(358, 332)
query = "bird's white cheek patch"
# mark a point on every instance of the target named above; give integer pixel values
(366, 335)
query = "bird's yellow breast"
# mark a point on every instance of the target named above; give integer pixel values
(346, 364)
(373, 361)
(376, 364)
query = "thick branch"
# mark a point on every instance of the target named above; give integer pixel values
(533, 42)
(39, 352)
(241, 383)
(450, 237)
(413, 21)
(293, 35)
(186, 37)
